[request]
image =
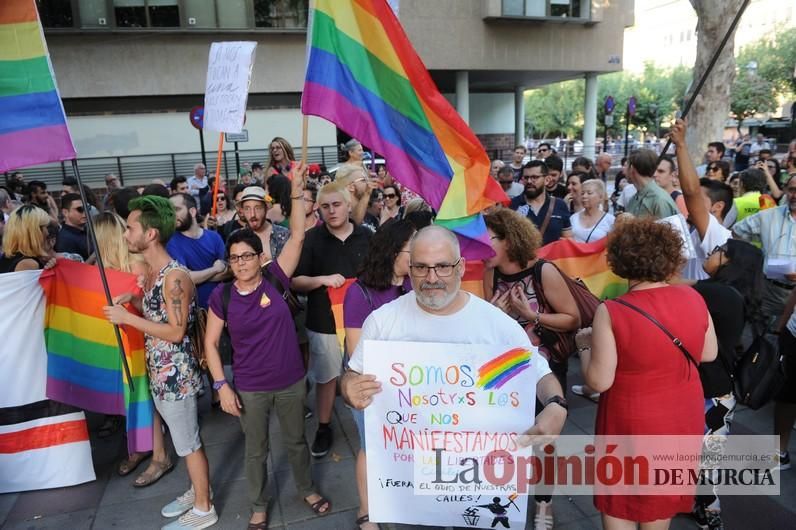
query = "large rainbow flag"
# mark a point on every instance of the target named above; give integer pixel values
(84, 368)
(32, 122)
(585, 261)
(364, 76)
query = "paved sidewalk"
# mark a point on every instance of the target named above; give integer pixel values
(111, 501)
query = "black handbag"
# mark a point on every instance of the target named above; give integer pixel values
(759, 374)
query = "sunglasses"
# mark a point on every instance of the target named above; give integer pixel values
(390, 195)
(80, 209)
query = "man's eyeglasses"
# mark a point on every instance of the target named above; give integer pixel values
(443, 270)
(246, 256)
(529, 177)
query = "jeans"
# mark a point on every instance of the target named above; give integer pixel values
(289, 406)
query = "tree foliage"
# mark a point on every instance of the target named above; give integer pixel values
(751, 94)
(775, 56)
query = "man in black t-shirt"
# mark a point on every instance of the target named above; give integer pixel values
(332, 252)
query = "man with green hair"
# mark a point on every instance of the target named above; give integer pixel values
(168, 306)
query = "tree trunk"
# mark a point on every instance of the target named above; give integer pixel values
(709, 113)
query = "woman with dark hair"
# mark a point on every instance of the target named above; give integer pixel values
(574, 197)
(382, 279)
(392, 204)
(733, 297)
(279, 191)
(267, 365)
(517, 276)
(648, 385)
(583, 164)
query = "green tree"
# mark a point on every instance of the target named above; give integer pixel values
(775, 56)
(751, 94)
(555, 109)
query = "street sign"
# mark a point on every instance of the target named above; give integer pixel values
(242, 136)
(197, 117)
(609, 105)
(631, 106)
(609, 120)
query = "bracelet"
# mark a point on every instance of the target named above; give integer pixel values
(537, 321)
(581, 350)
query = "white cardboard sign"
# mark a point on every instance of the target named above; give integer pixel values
(229, 74)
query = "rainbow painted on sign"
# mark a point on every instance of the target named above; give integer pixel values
(502, 369)
(33, 126)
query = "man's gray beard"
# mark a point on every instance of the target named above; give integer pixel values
(437, 303)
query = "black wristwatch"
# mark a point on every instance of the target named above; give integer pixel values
(558, 400)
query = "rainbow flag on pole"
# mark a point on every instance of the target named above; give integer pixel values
(586, 261)
(32, 122)
(364, 76)
(83, 364)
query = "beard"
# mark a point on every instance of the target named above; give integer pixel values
(184, 224)
(437, 302)
(532, 193)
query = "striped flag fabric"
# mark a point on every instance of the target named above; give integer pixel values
(586, 261)
(473, 278)
(336, 299)
(364, 76)
(84, 368)
(43, 444)
(33, 127)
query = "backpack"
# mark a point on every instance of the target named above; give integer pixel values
(759, 374)
(562, 343)
(198, 337)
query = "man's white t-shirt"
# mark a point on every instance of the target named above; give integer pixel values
(627, 193)
(478, 322)
(715, 236)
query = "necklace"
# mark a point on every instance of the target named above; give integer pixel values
(246, 293)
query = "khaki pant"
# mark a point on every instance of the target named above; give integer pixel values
(289, 406)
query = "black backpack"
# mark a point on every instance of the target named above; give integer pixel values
(759, 375)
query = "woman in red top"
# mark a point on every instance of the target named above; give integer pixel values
(649, 386)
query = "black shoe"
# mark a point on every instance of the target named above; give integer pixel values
(782, 461)
(707, 519)
(323, 442)
(307, 413)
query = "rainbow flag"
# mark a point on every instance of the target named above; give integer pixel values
(336, 299)
(83, 364)
(33, 125)
(503, 368)
(364, 76)
(585, 261)
(473, 279)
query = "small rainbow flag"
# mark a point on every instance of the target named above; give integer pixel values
(336, 298)
(33, 125)
(83, 364)
(586, 261)
(503, 368)
(364, 76)
(473, 279)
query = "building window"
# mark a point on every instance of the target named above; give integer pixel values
(281, 13)
(56, 13)
(546, 8)
(146, 13)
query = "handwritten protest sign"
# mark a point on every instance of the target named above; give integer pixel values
(442, 410)
(229, 74)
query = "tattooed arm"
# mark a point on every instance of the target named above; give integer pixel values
(178, 291)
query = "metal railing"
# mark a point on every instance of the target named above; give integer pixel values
(143, 169)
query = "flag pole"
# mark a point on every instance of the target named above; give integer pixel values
(218, 173)
(92, 235)
(708, 70)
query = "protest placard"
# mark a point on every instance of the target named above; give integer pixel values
(229, 73)
(443, 408)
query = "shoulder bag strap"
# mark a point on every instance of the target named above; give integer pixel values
(272, 279)
(538, 288)
(652, 319)
(226, 295)
(595, 226)
(550, 204)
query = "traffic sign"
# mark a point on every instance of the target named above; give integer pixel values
(242, 136)
(609, 104)
(631, 106)
(197, 117)
(609, 120)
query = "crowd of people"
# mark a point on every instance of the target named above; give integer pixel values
(260, 264)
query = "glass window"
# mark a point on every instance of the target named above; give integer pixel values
(93, 13)
(280, 13)
(535, 8)
(55, 13)
(513, 8)
(235, 14)
(201, 12)
(147, 13)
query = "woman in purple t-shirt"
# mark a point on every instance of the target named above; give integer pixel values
(267, 363)
(382, 279)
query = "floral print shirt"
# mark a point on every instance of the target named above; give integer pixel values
(173, 370)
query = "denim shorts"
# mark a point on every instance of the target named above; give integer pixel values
(182, 419)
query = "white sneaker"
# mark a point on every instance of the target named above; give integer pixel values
(578, 391)
(194, 521)
(181, 504)
(544, 516)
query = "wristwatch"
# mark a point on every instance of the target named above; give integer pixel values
(558, 400)
(218, 384)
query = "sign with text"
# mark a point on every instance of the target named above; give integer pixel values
(229, 74)
(443, 407)
(242, 136)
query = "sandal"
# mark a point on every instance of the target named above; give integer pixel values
(130, 464)
(364, 519)
(258, 526)
(320, 503)
(151, 476)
